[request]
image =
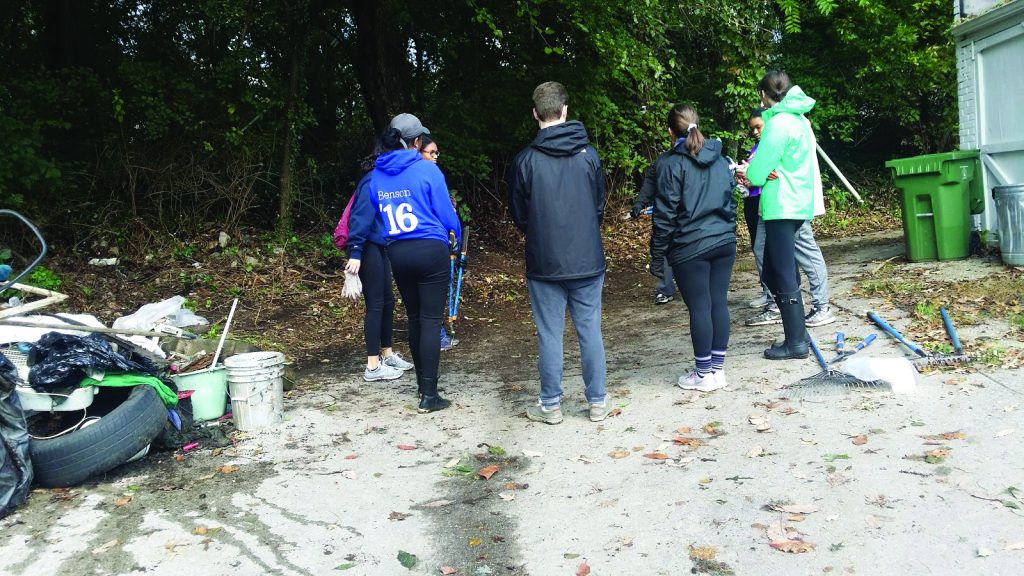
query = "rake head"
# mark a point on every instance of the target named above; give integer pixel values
(831, 382)
(942, 360)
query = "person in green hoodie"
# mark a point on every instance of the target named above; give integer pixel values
(785, 166)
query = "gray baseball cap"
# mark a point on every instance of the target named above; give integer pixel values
(409, 125)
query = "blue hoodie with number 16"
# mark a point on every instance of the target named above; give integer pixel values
(412, 198)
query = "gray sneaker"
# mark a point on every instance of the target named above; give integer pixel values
(820, 317)
(766, 317)
(760, 302)
(396, 361)
(599, 412)
(537, 413)
(382, 372)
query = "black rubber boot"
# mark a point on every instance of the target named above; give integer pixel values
(791, 307)
(430, 400)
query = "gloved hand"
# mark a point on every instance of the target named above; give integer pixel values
(635, 211)
(462, 261)
(657, 268)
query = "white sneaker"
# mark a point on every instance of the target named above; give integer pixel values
(382, 372)
(720, 377)
(706, 383)
(759, 302)
(396, 361)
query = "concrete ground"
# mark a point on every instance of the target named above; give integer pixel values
(922, 483)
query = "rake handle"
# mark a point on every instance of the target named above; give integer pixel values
(951, 330)
(817, 353)
(895, 334)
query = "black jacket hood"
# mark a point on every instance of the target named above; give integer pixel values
(563, 139)
(707, 156)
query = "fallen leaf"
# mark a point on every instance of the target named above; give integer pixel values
(618, 454)
(437, 504)
(453, 463)
(474, 542)
(755, 452)
(570, 556)
(487, 471)
(705, 480)
(106, 546)
(954, 435)
(352, 456)
(764, 427)
(398, 516)
(532, 454)
(583, 569)
(797, 518)
(711, 429)
(615, 412)
(703, 552)
(446, 570)
(1015, 546)
(216, 452)
(1006, 432)
(406, 560)
(200, 530)
(345, 566)
(936, 456)
(834, 457)
(860, 440)
(686, 441)
(793, 546)
(656, 456)
(171, 544)
(123, 501)
(406, 447)
(179, 457)
(983, 552)
(506, 496)
(683, 430)
(227, 469)
(794, 508)
(516, 486)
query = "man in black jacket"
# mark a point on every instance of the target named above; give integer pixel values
(556, 197)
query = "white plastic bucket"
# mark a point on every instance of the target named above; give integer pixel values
(256, 387)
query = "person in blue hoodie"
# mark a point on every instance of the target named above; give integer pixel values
(694, 225)
(416, 216)
(368, 257)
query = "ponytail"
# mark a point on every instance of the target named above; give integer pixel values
(683, 122)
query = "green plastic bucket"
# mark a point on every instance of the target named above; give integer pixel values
(211, 391)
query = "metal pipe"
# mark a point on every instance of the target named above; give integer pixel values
(838, 173)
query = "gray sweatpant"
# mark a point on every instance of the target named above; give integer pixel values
(808, 259)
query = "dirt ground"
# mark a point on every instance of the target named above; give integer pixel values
(356, 482)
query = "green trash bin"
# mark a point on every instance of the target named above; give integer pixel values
(940, 192)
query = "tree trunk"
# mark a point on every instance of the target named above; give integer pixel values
(379, 58)
(284, 215)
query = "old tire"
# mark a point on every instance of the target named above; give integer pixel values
(73, 458)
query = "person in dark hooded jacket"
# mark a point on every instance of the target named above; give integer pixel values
(556, 197)
(694, 225)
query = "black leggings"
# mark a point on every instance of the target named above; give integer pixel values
(421, 270)
(704, 284)
(375, 274)
(779, 270)
(751, 204)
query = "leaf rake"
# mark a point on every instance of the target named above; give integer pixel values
(829, 381)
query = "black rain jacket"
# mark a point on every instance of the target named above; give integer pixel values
(694, 210)
(556, 194)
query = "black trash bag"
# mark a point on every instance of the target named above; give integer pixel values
(59, 361)
(15, 463)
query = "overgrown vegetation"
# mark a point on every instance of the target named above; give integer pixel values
(140, 125)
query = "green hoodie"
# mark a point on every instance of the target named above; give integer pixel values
(788, 147)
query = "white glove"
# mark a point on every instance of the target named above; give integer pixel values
(353, 286)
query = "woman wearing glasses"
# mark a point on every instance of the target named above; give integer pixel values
(429, 151)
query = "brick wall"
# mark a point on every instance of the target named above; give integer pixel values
(967, 96)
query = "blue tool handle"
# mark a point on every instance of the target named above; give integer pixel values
(865, 343)
(458, 293)
(840, 342)
(817, 353)
(895, 334)
(952, 331)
